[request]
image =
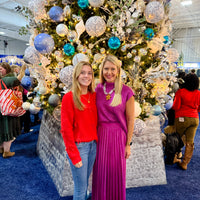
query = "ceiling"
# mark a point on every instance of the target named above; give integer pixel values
(185, 16)
(11, 21)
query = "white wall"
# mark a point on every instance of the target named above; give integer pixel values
(14, 47)
(187, 41)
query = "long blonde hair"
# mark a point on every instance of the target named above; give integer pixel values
(76, 88)
(118, 82)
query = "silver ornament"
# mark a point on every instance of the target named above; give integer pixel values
(54, 100)
(95, 26)
(96, 3)
(154, 12)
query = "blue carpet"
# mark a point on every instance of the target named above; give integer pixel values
(23, 177)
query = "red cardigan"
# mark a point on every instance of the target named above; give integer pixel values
(186, 103)
(78, 125)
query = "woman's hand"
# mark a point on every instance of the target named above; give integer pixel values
(79, 164)
(127, 151)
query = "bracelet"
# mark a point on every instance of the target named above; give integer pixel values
(130, 143)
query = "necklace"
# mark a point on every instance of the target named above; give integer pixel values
(107, 93)
(87, 99)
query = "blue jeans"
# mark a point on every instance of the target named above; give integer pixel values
(81, 175)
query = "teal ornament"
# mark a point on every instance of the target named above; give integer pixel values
(149, 33)
(69, 49)
(114, 43)
(83, 4)
(156, 110)
(166, 39)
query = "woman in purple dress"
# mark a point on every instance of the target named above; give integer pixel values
(115, 107)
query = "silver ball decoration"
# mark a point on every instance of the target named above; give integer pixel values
(26, 105)
(96, 3)
(31, 55)
(33, 109)
(54, 100)
(66, 75)
(154, 12)
(61, 30)
(95, 26)
(78, 58)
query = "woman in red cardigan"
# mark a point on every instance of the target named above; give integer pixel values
(79, 127)
(186, 105)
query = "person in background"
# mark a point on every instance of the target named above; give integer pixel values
(25, 119)
(9, 126)
(115, 108)
(186, 105)
(15, 69)
(79, 127)
(193, 71)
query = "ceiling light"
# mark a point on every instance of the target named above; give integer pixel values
(2, 33)
(186, 3)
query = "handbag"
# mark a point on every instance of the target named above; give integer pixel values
(10, 102)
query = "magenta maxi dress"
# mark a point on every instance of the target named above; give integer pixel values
(109, 172)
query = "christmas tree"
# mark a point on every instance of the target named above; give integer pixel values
(64, 32)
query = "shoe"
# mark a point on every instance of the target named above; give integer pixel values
(1, 150)
(176, 159)
(8, 154)
(189, 148)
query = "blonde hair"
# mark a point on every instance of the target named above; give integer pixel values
(76, 88)
(21, 73)
(118, 82)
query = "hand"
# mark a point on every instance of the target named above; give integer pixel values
(127, 151)
(79, 164)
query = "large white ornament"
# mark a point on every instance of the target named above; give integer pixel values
(26, 105)
(138, 109)
(155, 45)
(78, 58)
(154, 12)
(80, 28)
(33, 109)
(172, 55)
(31, 55)
(62, 30)
(43, 90)
(96, 3)
(66, 75)
(95, 26)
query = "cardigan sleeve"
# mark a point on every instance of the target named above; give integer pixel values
(67, 124)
